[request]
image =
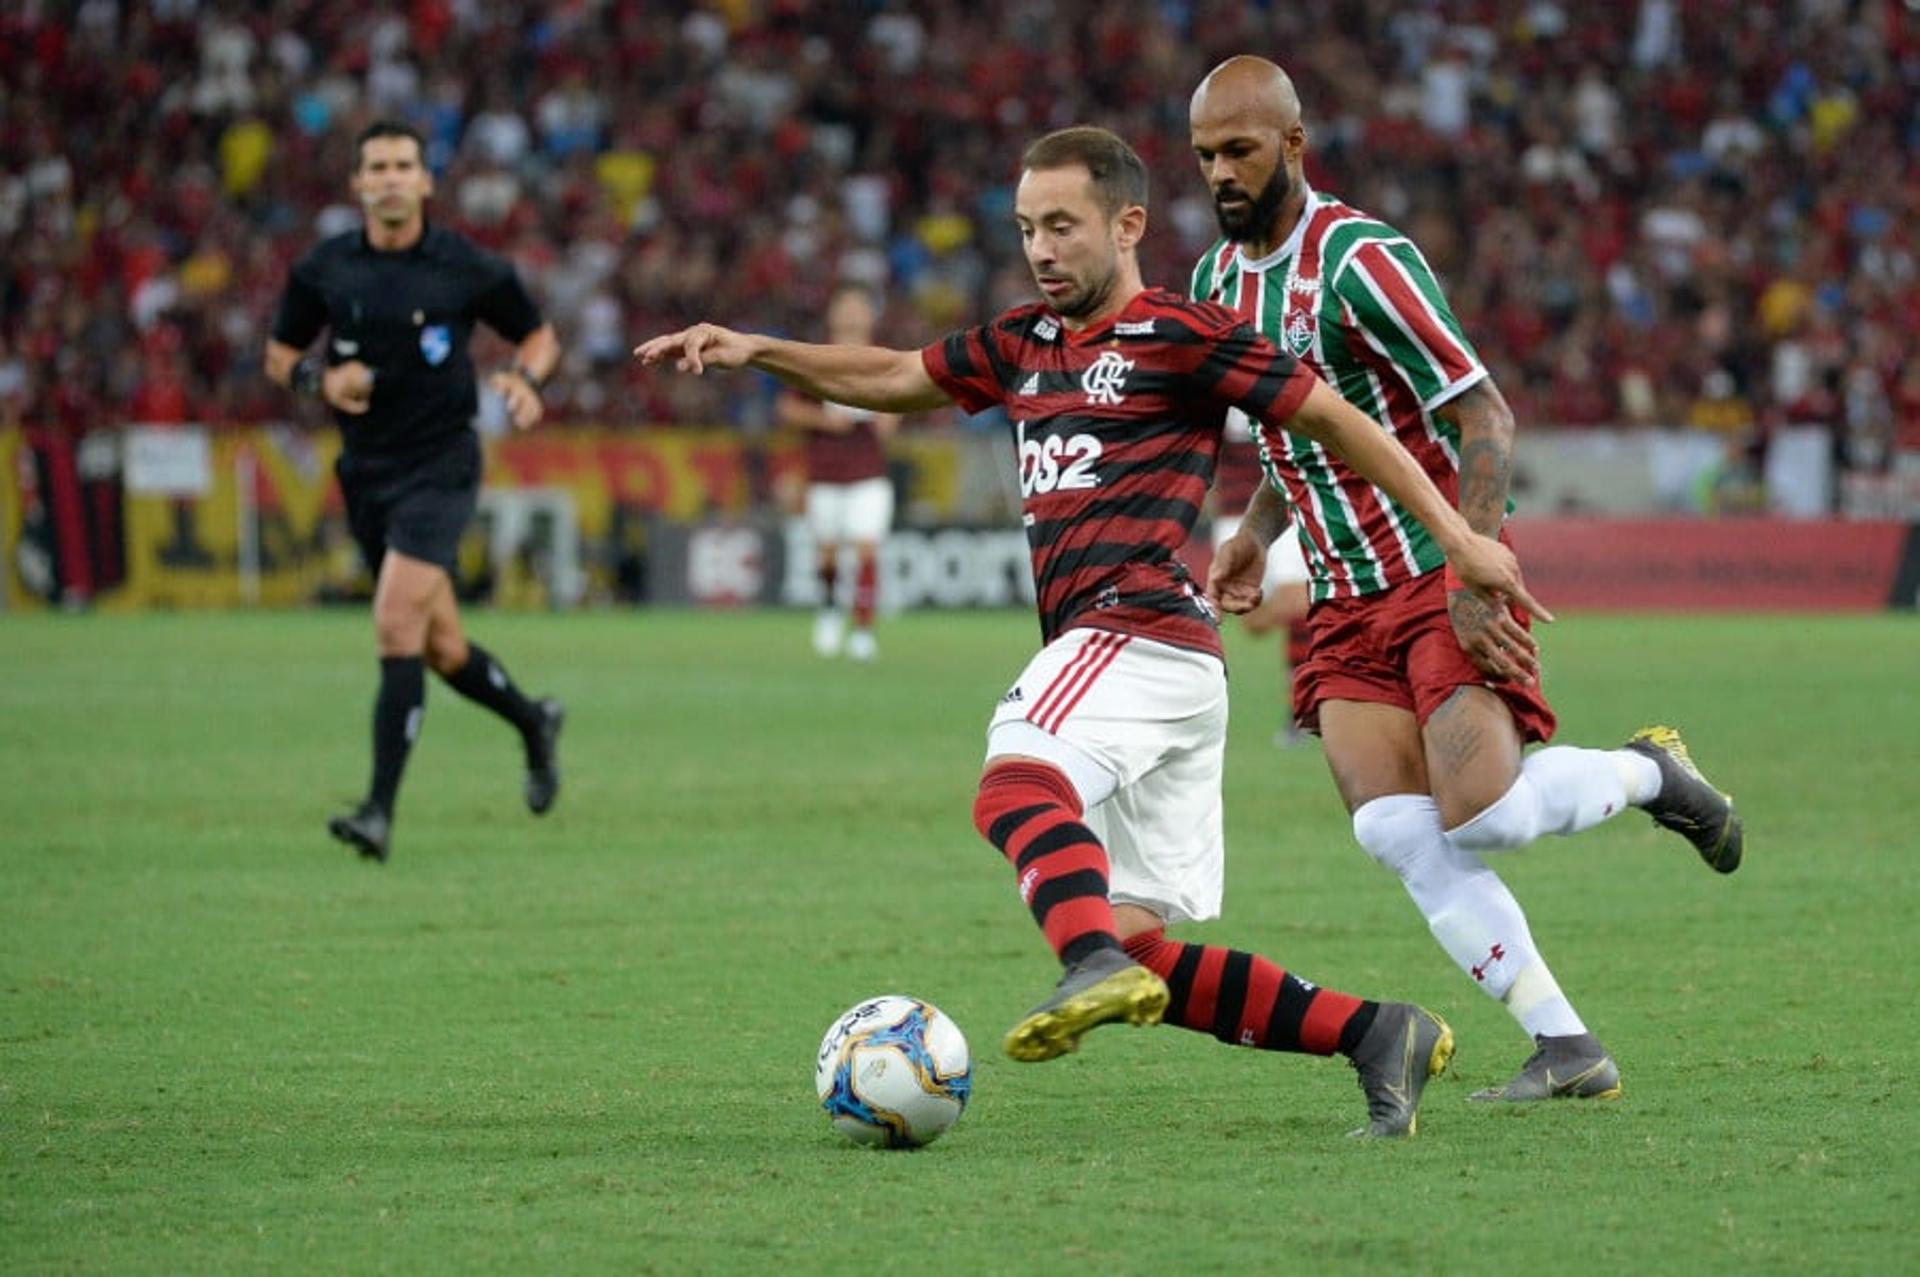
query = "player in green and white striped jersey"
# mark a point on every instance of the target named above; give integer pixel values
(1424, 696)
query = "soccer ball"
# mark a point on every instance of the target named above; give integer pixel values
(894, 1072)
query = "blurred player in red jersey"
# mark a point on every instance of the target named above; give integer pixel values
(1102, 778)
(1422, 695)
(849, 496)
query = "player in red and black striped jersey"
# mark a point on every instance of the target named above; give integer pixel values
(1102, 782)
(1118, 425)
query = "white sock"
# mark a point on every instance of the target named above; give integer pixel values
(1468, 909)
(1536, 1001)
(1640, 775)
(1560, 790)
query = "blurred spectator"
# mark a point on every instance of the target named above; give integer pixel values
(1646, 213)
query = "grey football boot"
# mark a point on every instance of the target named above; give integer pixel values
(1574, 1067)
(1688, 804)
(1100, 988)
(1403, 1047)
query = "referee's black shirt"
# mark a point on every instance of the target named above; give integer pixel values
(407, 315)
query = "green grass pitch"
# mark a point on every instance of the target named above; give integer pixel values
(585, 1043)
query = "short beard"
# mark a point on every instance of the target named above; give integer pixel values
(1093, 299)
(1254, 223)
(1087, 302)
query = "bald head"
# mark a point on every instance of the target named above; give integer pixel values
(1247, 90)
(1247, 135)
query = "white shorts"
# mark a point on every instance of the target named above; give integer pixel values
(1141, 729)
(838, 512)
(1285, 564)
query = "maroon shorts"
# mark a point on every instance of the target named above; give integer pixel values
(1397, 648)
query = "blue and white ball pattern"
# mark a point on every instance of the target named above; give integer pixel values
(894, 1072)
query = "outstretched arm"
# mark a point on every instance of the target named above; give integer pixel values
(1485, 423)
(1481, 563)
(871, 377)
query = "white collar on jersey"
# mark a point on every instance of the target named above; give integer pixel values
(1292, 246)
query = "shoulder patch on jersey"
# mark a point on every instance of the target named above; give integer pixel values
(1137, 328)
(1046, 329)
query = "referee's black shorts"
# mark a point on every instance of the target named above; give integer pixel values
(419, 508)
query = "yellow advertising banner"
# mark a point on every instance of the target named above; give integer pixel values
(256, 532)
(13, 487)
(251, 515)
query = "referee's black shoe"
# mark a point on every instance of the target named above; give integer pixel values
(366, 828)
(543, 756)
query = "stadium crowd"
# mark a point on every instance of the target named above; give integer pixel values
(1679, 212)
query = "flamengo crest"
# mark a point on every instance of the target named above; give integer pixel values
(1103, 380)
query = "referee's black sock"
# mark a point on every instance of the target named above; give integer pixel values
(397, 711)
(485, 680)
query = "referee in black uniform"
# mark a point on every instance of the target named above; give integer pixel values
(398, 301)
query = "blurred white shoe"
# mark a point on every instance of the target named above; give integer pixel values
(861, 647)
(828, 629)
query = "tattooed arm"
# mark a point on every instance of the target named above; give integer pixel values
(1485, 423)
(1496, 642)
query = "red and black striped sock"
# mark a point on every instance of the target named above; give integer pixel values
(1031, 812)
(866, 585)
(1245, 1000)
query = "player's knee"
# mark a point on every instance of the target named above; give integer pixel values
(1009, 788)
(446, 658)
(1510, 822)
(1395, 829)
(400, 634)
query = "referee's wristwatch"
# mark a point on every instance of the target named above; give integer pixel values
(525, 374)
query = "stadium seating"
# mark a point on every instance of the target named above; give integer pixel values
(1647, 213)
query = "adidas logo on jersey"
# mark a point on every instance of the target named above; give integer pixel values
(1031, 386)
(1014, 697)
